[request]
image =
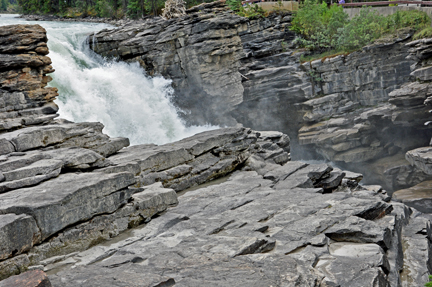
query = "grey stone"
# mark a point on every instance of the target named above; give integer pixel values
(331, 182)
(281, 173)
(421, 158)
(418, 196)
(423, 74)
(355, 229)
(41, 167)
(97, 193)
(13, 266)
(18, 233)
(28, 181)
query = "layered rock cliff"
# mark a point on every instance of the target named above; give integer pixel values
(65, 188)
(346, 109)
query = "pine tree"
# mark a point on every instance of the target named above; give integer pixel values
(4, 5)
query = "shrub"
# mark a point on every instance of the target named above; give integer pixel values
(318, 25)
(363, 29)
(413, 18)
(234, 5)
(251, 11)
(322, 28)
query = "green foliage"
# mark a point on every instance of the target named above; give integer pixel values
(362, 30)
(104, 9)
(413, 18)
(135, 8)
(325, 28)
(318, 25)
(99, 8)
(429, 284)
(251, 11)
(154, 7)
(315, 76)
(248, 10)
(4, 5)
(234, 5)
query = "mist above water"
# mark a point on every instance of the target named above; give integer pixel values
(120, 95)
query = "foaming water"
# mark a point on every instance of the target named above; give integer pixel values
(120, 95)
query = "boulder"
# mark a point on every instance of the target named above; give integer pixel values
(34, 278)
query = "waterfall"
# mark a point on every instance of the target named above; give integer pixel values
(120, 95)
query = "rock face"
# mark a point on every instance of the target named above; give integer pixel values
(201, 53)
(66, 187)
(349, 109)
(258, 230)
(24, 98)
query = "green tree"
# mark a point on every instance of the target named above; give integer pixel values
(234, 5)
(429, 284)
(4, 5)
(135, 8)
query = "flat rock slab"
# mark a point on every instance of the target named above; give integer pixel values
(87, 135)
(246, 232)
(156, 158)
(62, 201)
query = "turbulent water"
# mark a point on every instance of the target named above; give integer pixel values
(120, 95)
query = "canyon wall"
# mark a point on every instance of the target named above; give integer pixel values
(65, 186)
(67, 191)
(347, 109)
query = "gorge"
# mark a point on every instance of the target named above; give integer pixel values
(346, 109)
(90, 210)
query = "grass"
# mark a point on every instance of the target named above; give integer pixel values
(424, 33)
(323, 56)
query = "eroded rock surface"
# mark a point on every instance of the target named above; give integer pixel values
(67, 188)
(350, 109)
(248, 231)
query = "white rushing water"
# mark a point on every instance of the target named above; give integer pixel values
(120, 95)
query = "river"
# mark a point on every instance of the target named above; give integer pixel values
(120, 95)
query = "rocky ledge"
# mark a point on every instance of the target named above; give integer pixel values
(89, 210)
